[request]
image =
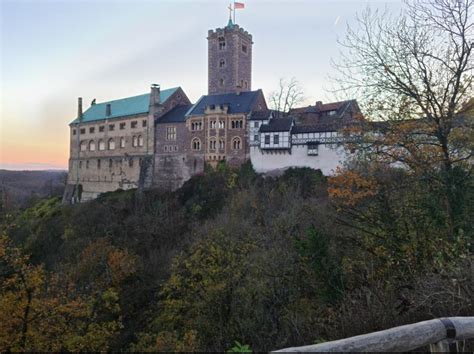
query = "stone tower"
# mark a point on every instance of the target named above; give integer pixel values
(229, 60)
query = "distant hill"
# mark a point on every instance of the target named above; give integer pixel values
(17, 188)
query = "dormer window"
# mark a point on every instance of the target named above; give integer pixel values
(332, 113)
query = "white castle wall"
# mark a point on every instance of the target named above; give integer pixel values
(329, 158)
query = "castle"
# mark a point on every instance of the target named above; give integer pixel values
(160, 139)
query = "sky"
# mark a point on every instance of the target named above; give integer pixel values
(53, 51)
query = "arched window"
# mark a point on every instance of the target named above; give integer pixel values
(101, 145)
(221, 82)
(196, 144)
(83, 145)
(122, 142)
(92, 145)
(134, 141)
(111, 144)
(140, 140)
(212, 144)
(221, 63)
(221, 144)
(236, 144)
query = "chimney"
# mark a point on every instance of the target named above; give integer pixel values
(108, 110)
(155, 95)
(319, 104)
(79, 108)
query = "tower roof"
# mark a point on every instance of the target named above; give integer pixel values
(230, 24)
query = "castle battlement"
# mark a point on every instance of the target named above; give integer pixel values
(221, 31)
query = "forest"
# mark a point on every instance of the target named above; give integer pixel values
(234, 260)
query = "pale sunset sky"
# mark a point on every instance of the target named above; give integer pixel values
(53, 51)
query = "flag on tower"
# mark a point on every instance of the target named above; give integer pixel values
(239, 5)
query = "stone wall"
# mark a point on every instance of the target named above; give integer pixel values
(236, 71)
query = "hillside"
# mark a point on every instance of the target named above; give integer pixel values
(18, 187)
(231, 256)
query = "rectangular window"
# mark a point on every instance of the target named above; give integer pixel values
(170, 133)
(143, 123)
(83, 130)
(101, 128)
(122, 126)
(133, 124)
(111, 127)
(98, 163)
(244, 48)
(91, 130)
(313, 149)
(267, 139)
(276, 139)
(255, 137)
(74, 132)
(256, 124)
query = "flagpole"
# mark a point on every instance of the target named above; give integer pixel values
(234, 13)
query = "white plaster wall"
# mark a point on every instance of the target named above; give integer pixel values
(330, 157)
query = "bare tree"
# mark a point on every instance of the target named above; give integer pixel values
(289, 94)
(414, 72)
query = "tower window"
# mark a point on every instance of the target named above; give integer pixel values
(221, 63)
(221, 82)
(221, 43)
(244, 48)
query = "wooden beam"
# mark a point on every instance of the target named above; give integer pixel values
(397, 339)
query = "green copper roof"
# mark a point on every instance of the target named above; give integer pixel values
(230, 24)
(123, 107)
